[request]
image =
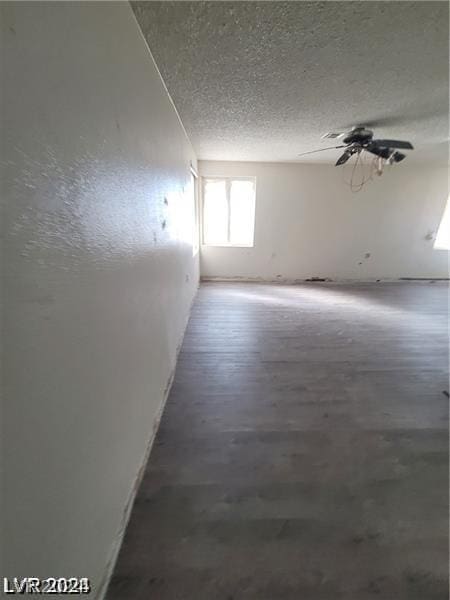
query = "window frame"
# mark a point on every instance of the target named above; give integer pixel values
(228, 179)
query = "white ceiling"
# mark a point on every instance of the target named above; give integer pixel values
(263, 81)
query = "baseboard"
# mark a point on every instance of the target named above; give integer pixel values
(327, 280)
(424, 279)
(118, 539)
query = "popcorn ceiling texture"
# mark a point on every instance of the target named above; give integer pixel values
(265, 80)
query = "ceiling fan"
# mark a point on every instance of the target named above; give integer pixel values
(360, 139)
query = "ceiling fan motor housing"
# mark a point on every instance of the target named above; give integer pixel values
(358, 135)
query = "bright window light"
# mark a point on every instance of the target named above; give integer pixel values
(442, 241)
(229, 211)
(194, 199)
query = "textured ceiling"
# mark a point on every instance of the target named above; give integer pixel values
(264, 81)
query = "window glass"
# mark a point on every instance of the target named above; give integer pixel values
(215, 212)
(242, 212)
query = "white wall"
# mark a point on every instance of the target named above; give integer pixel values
(98, 277)
(309, 224)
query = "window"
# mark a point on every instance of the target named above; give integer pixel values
(196, 237)
(228, 211)
(442, 241)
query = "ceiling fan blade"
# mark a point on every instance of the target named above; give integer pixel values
(397, 157)
(320, 150)
(378, 150)
(393, 144)
(389, 121)
(343, 158)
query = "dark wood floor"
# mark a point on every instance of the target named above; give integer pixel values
(303, 451)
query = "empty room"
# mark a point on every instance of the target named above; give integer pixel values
(224, 300)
